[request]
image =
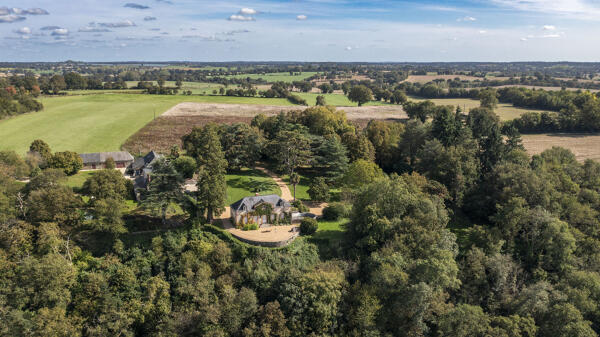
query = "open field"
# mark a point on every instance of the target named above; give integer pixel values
(431, 77)
(333, 99)
(504, 110)
(584, 146)
(94, 123)
(276, 77)
(197, 88)
(168, 129)
(544, 88)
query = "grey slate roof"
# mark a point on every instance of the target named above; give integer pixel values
(141, 162)
(100, 157)
(250, 202)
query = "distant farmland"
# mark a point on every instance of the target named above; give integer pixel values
(504, 110)
(584, 146)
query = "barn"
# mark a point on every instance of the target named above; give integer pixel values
(97, 160)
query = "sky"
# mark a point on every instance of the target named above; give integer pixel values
(300, 30)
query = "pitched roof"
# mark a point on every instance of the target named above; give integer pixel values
(145, 160)
(101, 157)
(250, 202)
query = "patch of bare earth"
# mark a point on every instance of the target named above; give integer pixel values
(584, 146)
(164, 132)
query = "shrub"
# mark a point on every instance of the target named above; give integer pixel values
(186, 166)
(295, 99)
(250, 227)
(308, 226)
(335, 211)
(319, 190)
(300, 206)
(110, 163)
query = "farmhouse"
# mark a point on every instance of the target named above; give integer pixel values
(142, 166)
(260, 209)
(98, 160)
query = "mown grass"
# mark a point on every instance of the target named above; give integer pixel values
(248, 182)
(504, 110)
(95, 123)
(76, 181)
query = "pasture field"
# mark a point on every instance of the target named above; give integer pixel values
(505, 111)
(276, 77)
(95, 123)
(584, 146)
(197, 88)
(247, 182)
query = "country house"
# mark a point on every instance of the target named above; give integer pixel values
(260, 209)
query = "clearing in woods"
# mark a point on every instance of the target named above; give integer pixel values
(583, 145)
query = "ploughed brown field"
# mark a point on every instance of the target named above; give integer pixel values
(584, 146)
(167, 130)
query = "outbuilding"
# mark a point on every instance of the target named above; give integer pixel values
(97, 160)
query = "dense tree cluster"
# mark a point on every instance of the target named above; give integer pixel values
(17, 96)
(452, 230)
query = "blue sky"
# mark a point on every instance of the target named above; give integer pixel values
(300, 30)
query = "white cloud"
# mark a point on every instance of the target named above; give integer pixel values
(549, 27)
(23, 31)
(466, 19)
(584, 9)
(237, 17)
(11, 18)
(301, 17)
(247, 11)
(90, 29)
(121, 24)
(523, 39)
(60, 32)
(551, 36)
(483, 32)
(348, 48)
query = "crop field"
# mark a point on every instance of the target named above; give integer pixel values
(584, 146)
(504, 110)
(167, 130)
(95, 123)
(333, 99)
(276, 77)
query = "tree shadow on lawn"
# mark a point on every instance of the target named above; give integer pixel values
(252, 185)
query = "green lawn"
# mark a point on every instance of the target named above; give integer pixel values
(76, 181)
(94, 123)
(504, 110)
(247, 183)
(301, 188)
